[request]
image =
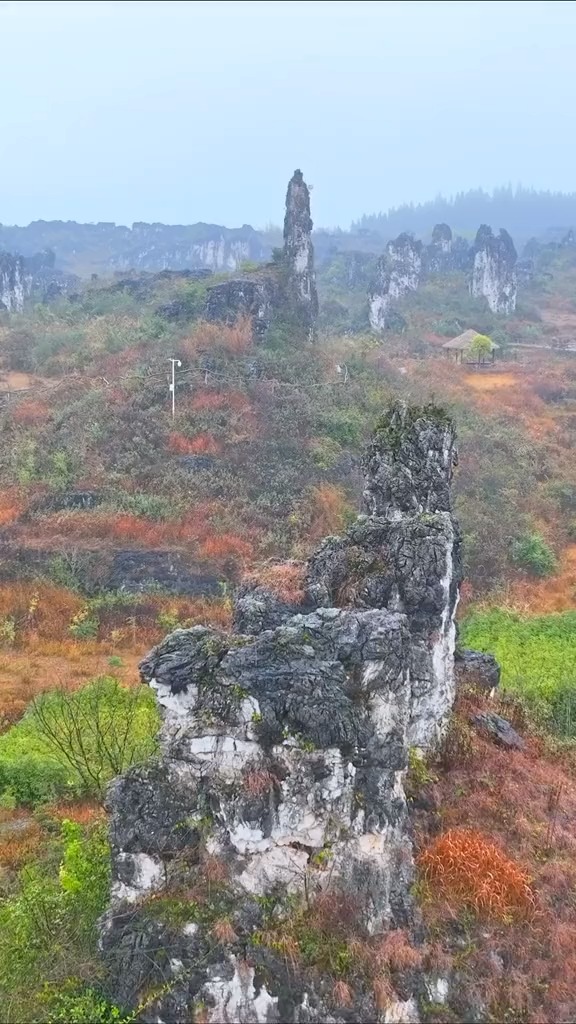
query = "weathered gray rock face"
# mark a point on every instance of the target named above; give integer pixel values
(494, 270)
(397, 272)
(255, 295)
(446, 253)
(109, 247)
(477, 670)
(286, 288)
(22, 278)
(15, 284)
(299, 251)
(439, 252)
(160, 246)
(405, 554)
(284, 752)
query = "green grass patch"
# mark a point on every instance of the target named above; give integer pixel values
(538, 659)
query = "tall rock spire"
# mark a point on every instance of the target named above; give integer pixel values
(494, 270)
(283, 753)
(299, 251)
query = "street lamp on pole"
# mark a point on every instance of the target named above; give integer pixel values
(172, 388)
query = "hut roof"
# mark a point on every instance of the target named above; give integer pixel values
(464, 341)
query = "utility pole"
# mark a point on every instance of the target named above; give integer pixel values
(175, 363)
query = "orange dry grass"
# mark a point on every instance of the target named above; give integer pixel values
(342, 993)
(18, 845)
(46, 665)
(193, 530)
(555, 594)
(202, 444)
(466, 867)
(209, 401)
(491, 381)
(328, 508)
(235, 339)
(42, 609)
(285, 579)
(12, 505)
(31, 412)
(511, 797)
(225, 547)
(223, 931)
(83, 813)
(257, 781)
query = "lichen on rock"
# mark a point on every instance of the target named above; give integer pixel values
(284, 750)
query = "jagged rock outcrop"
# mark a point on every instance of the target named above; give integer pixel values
(23, 278)
(494, 270)
(477, 670)
(439, 252)
(279, 787)
(446, 253)
(172, 246)
(299, 252)
(256, 295)
(286, 288)
(108, 247)
(397, 272)
(15, 284)
(490, 266)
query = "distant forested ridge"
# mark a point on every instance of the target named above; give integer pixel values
(524, 212)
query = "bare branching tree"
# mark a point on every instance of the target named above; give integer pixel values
(98, 731)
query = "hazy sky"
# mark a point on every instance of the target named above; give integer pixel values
(185, 111)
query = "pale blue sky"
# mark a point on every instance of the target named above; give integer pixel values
(183, 111)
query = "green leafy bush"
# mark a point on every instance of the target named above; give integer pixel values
(531, 553)
(48, 928)
(76, 1005)
(77, 742)
(32, 778)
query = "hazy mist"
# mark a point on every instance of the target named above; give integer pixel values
(178, 112)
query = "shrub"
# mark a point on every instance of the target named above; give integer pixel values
(76, 1004)
(328, 510)
(32, 778)
(31, 412)
(467, 869)
(531, 553)
(76, 742)
(48, 928)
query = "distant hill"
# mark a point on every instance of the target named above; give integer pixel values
(524, 212)
(105, 247)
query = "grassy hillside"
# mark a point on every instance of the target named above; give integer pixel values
(119, 523)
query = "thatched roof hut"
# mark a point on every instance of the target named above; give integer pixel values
(464, 343)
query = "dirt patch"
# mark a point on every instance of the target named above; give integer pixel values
(15, 381)
(491, 381)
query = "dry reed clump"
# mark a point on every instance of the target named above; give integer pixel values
(20, 845)
(202, 444)
(465, 867)
(285, 579)
(223, 931)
